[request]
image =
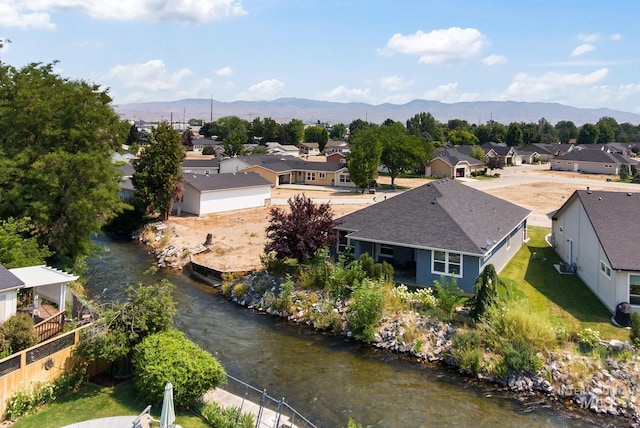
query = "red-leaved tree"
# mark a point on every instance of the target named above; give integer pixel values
(302, 231)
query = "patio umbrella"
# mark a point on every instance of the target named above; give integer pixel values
(167, 416)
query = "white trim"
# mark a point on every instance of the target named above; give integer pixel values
(447, 263)
(605, 269)
(629, 287)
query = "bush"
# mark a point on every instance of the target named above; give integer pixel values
(366, 309)
(467, 352)
(171, 357)
(635, 329)
(448, 295)
(589, 337)
(323, 317)
(225, 417)
(521, 358)
(18, 332)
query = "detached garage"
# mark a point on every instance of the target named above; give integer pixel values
(206, 194)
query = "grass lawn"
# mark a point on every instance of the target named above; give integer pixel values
(565, 298)
(93, 402)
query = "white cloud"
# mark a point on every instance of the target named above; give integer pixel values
(224, 71)
(438, 46)
(495, 60)
(550, 86)
(12, 14)
(589, 38)
(582, 49)
(342, 94)
(151, 75)
(265, 90)
(615, 37)
(395, 83)
(448, 93)
(34, 13)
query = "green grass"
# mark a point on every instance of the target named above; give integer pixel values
(565, 298)
(93, 402)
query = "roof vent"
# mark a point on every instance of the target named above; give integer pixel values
(588, 190)
(629, 193)
(600, 199)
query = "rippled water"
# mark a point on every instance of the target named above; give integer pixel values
(326, 378)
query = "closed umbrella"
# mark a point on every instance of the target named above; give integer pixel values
(167, 416)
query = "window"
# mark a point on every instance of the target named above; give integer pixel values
(311, 176)
(605, 269)
(344, 178)
(509, 242)
(445, 263)
(322, 175)
(634, 289)
(385, 251)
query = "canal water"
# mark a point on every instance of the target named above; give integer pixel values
(327, 379)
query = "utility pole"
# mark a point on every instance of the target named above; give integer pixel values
(211, 118)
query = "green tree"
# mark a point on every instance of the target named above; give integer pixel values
(462, 137)
(170, 357)
(57, 137)
(478, 153)
(588, 134)
(338, 131)
(566, 130)
(186, 139)
(19, 333)
(18, 247)
(293, 132)
(514, 135)
(302, 231)
(317, 134)
(606, 129)
(426, 127)
(234, 144)
(364, 156)
(134, 136)
(548, 133)
(458, 125)
(358, 125)
(487, 289)
(158, 170)
(401, 152)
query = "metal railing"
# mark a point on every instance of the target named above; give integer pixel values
(286, 416)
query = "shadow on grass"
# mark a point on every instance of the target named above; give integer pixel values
(566, 291)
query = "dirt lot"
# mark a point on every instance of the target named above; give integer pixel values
(239, 236)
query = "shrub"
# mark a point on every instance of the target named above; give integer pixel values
(520, 357)
(467, 352)
(365, 309)
(18, 332)
(171, 357)
(323, 317)
(589, 337)
(635, 329)
(225, 417)
(448, 295)
(240, 289)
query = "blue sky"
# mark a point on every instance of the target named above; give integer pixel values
(582, 53)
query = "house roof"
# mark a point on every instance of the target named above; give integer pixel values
(233, 180)
(443, 215)
(201, 163)
(8, 280)
(36, 276)
(499, 148)
(597, 156)
(614, 217)
(453, 157)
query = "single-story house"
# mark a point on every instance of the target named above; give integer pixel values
(276, 148)
(591, 162)
(450, 163)
(336, 146)
(507, 155)
(200, 143)
(440, 229)
(200, 166)
(337, 157)
(309, 149)
(206, 194)
(596, 232)
(46, 282)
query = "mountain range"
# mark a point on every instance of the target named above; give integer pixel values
(311, 111)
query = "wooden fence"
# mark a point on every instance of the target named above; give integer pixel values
(44, 362)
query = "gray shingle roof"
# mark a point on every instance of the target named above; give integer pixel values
(201, 163)
(8, 280)
(615, 219)
(453, 157)
(443, 214)
(597, 156)
(210, 183)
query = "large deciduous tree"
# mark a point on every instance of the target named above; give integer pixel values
(364, 156)
(57, 137)
(301, 232)
(292, 132)
(158, 174)
(426, 127)
(401, 152)
(588, 134)
(514, 135)
(18, 248)
(566, 130)
(317, 134)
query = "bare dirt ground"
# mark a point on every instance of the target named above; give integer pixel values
(239, 236)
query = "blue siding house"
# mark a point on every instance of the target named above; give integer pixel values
(440, 229)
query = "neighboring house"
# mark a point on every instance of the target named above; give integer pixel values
(442, 228)
(45, 282)
(337, 157)
(597, 232)
(528, 156)
(290, 170)
(336, 146)
(449, 163)
(309, 149)
(126, 186)
(200, 166)
(282, 149)
(206, 194)
(544, 151)
(200, 143)
(591, 162)
(506, 155)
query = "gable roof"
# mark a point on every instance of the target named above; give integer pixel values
(500, 148)
(452, 157)
(443, 215)
(8, 280)
(614, 217)
(597, 156)
(232, 180)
